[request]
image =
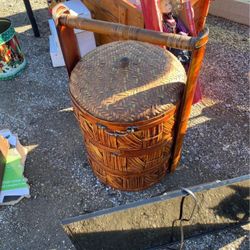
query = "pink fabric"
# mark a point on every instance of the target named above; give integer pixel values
(190, 18)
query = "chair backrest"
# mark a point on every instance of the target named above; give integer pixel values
(117, 11)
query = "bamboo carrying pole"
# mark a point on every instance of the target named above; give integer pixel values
(66, 23)
(129, 32)
(187, 99)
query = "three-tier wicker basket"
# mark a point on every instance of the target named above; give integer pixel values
(132, 99)
(125, 97)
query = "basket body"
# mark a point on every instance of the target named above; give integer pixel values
(12, 60)
(125, 97)
(124, 160)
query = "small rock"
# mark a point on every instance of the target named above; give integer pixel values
(217, 166)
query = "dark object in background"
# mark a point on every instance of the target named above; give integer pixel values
(31, 18)
(182, 55)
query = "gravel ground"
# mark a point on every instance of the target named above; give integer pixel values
(36, 106)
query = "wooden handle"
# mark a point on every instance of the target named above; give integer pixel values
(129, 32)
(187, 98)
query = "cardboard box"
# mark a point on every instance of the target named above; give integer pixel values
(14, 186)
(86, 39)
(55, 53)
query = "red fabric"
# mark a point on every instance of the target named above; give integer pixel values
(192, 29)
(197, 93)
(151, 15)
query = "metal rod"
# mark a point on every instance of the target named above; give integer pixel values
(31, 18)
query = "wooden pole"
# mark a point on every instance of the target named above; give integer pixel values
(203, 15)
(187, 99)
(129, 32)
(69, 46)
(31, 18)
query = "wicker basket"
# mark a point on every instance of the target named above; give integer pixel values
(125, 96)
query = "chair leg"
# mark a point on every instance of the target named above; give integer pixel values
(31, 18)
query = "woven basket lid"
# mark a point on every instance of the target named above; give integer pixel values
(127, 81)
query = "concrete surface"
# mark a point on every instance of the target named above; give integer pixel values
(36, 106)
(228, 239)
(234, 10)
(148, 223)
